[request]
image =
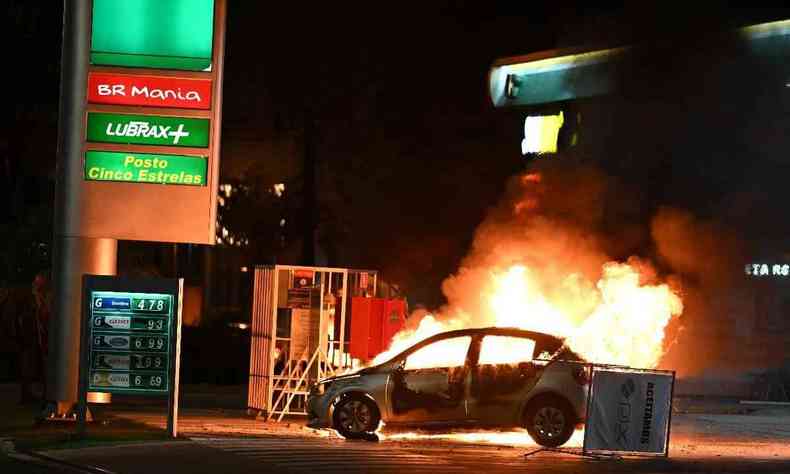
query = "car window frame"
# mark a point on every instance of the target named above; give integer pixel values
(535, 352)
(401, 364)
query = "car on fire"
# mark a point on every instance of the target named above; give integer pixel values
(488, 377)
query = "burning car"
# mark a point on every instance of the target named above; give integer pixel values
(492, 377)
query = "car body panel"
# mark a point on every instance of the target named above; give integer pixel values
(427, 395)
(482, 394)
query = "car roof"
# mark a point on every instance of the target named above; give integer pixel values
(494, 331)
(539, 337)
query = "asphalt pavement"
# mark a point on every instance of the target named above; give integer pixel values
(291, 454)
(700, 443)
(720, 438)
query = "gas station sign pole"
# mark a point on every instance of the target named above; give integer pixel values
(73, 254)
(139, 126)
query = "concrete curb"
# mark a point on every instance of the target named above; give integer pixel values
(8, 448)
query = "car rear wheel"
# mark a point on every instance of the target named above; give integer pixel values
(356, 417)
(550, 421)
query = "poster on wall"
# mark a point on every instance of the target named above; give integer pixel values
(305, 329)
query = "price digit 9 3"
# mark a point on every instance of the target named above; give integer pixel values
(155, 324)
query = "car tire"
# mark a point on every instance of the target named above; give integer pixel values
(549, 420)
(356, 417)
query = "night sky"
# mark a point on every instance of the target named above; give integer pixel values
(409, 152)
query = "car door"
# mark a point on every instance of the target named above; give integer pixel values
(502, 372)
(430, 385)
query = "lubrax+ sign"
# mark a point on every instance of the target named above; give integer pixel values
(148, 130)
(145, 168)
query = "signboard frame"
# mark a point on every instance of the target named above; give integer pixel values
(102, 283)
(593, 368)
(124, 210)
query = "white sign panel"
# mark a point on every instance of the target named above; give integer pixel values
(629, 411)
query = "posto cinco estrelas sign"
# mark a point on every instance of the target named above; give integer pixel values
(152, 119)
(144, 168)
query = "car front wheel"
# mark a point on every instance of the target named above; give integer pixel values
(550, 421)
(356, 417)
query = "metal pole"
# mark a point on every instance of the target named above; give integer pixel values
(346, 294)
(73, 255)
(273, 344)
(175, 373)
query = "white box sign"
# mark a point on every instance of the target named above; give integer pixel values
(629, 411)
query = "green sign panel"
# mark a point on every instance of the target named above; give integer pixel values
(129, 337)
(163, 34)
(145, 168)
(148, 130)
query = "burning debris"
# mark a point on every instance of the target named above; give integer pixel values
(537, 264)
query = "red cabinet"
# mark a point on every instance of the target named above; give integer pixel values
(374, 321)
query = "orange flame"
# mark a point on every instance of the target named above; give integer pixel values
(625, 327)
(515, 438)
(533, 268)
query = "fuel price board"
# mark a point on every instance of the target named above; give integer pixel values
(131, 339)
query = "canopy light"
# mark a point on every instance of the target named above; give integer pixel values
(541, 133)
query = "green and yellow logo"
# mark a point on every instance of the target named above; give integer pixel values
(145, 168)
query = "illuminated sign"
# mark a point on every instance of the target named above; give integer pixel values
(172, 34)
(130, 341)
(152, 114)
(541, 133)
(147, 130)
(765, 269)
(145, 168)
(543, 77)
(129, 344)
(153, 91)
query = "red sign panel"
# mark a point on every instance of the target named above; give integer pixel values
(151, 91)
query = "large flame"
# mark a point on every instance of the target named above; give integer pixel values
(519, 438)
(517, 278)
(625, 327)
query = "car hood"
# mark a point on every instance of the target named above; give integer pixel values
(350, 375)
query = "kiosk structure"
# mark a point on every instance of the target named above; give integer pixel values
(300, 332)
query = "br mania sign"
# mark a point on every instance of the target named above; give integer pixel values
(152, 91)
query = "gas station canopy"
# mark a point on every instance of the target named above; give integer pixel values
(567, 74)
